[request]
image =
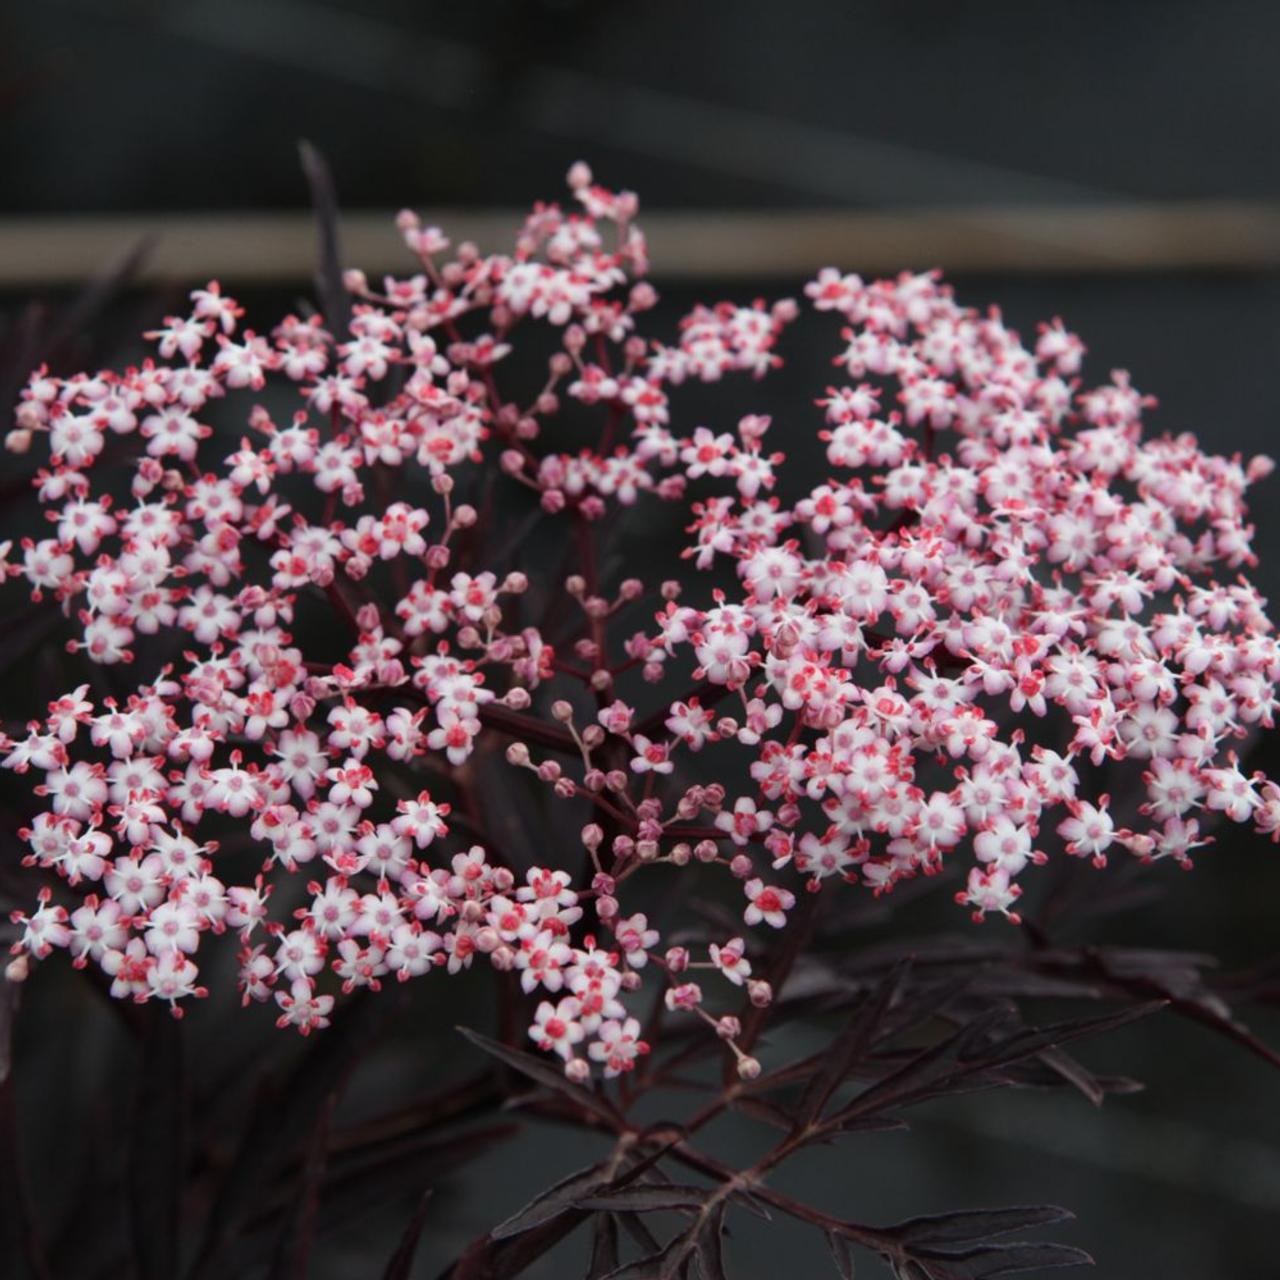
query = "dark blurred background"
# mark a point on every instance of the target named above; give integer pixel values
(1113, 163)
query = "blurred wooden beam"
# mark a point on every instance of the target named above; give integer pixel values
(253, 248)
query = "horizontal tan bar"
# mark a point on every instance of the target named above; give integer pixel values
(277, 247)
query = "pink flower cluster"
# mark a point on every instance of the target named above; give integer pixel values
(1000, 586)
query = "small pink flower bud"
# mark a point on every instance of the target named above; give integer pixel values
(677, 959)
(759, 992)
(518, 754)
(577, 1070)
(748, 1067)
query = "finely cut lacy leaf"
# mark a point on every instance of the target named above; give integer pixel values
(647, 1199)
(566, 1194)
(978, 1224)
(604, 1246)
(848, 1050)
(1001, 1260)
(543, 1072)
(841, 1254)
(400, 1263)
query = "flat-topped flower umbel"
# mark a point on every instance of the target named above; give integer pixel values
(999, 587)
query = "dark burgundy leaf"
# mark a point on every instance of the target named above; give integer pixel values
(566, 1193)
(329, 284)
(646, 1199)
(1003, 1260)
(977, 1224)
(401, 1262)
(1028, 1043)
(604, 1247)
(710, 1246)
(767, 1112)
(850, 1047)
(842, 1255)
(636, 1227)
(1075, 1073)
(544, 1073)
(663, 1265)
(921, 1069)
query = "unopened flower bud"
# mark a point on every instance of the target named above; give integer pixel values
(748, 1067)
(577, 1070)
(677, 959)
(728, 1027)
(518, 754)
(759, 992)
